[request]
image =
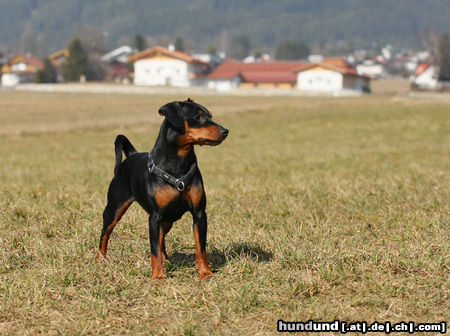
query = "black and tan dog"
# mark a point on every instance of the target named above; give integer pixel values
(166, 182)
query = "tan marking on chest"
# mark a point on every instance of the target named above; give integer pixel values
(165, 195)
(194, 195)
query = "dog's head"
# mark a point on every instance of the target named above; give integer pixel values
(193, 122)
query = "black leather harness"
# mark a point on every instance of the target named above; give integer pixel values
(179, 183)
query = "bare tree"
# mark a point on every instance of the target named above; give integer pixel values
(240, 46)
(31, 43)
(92, 39)
(429, 39)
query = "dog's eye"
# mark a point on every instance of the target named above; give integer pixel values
(198, 117)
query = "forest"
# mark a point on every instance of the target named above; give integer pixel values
(204, 24)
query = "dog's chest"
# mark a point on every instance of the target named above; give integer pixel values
(168, 196)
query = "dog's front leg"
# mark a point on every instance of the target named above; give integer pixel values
(156, 244)
(200, 230)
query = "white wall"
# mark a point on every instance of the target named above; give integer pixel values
(224, 85)
(319, 80)
(161, 73)
(10, 79)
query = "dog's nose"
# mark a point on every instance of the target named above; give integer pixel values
(224, 132)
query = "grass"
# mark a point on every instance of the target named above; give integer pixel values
(318, 209)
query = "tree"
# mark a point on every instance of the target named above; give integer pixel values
(139, 42)
(292, 50)
(76, 63)
(47, 74)
(179, 44)
(240, 46)
(444, 58)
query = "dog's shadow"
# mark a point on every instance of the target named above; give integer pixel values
(219, 257)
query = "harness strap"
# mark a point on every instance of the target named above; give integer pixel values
(179, 183)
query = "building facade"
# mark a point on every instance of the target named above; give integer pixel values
(331, 78)
(160, 66)
(20, 69)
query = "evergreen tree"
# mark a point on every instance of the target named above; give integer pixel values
(76, 63)
(179, 44)
(47, 74)
(139, 42)
(292, 50)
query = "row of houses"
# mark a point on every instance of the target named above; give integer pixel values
(160, 66)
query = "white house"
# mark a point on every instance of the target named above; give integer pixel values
(426, 77)
(331, 78)
(160, 66)
(20, 69)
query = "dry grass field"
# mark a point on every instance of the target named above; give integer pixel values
(318, 208)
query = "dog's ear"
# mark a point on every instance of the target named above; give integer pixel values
(174, 115)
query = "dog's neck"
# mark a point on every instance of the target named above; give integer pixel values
(166, 149)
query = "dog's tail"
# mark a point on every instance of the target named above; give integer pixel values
(122, 144)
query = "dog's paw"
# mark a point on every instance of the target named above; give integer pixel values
(205, 274)
(100, 257)
(158, 276)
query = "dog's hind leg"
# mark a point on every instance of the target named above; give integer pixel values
(114, 211)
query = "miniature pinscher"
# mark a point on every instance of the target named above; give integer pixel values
(166, 181)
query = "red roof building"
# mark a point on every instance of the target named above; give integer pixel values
(25, 63)
(265, 74)
(20, 69)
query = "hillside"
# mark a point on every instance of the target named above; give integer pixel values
(214, 22)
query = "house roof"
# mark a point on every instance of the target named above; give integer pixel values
(58, 54)
(421, 68)
(337, 61)
(116, 53)
(58, 57)
(33, 63)
(257, 72)
(161, 51)
(345, 70)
